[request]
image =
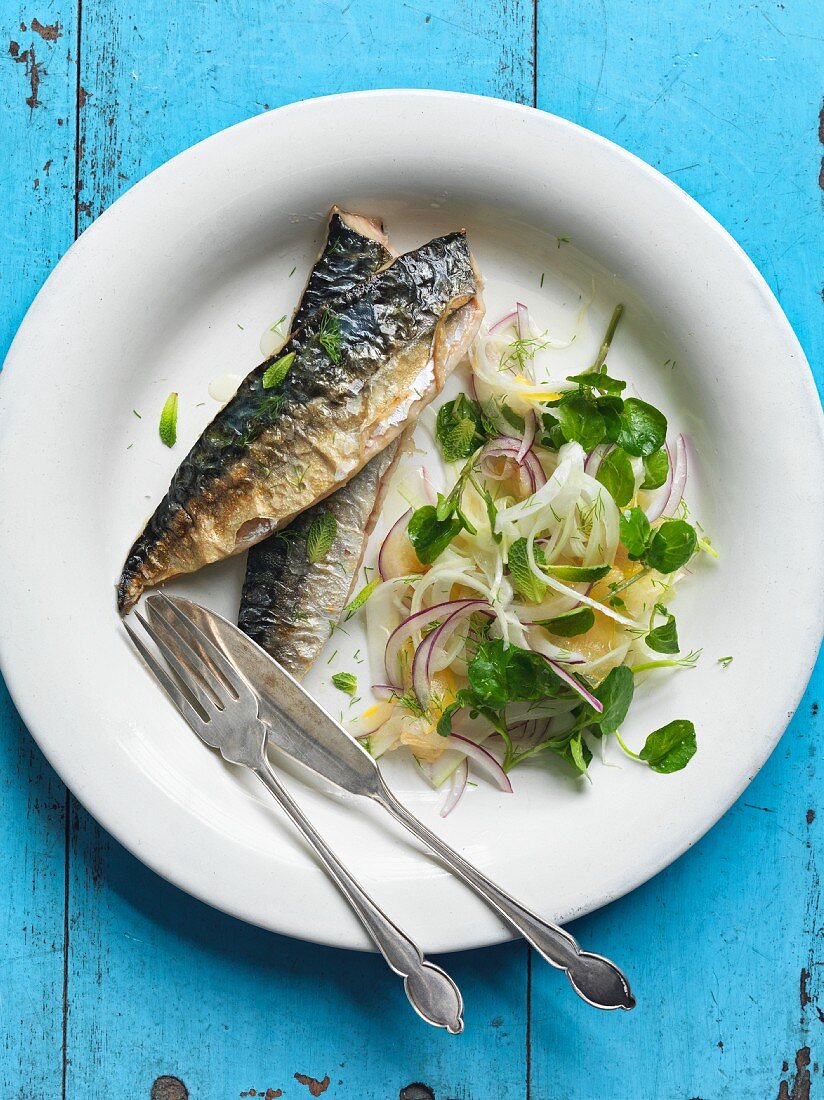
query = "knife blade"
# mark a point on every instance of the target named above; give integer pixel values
(295, 722)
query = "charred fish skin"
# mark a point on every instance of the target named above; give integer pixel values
(355, 248)
(271, 454)
(289, 603)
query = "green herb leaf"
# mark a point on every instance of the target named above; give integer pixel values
(499, 675)
(597, 380)
(524, 580)
(615, 692)
(670, 748)
(321, 535)
(579, 754)
(615, 474)
(346, 682)
(554, 437)
(168, 421)
(429, 535)
(459, 428)
(575, 573)
(571, 623)
(672, 546)
(725, 662)
(643, 428)
(663, 638)
(460, 442)
(357, 602)
(329, 335)
(278, 370)
(581, 422)
(610, 409)
(635, 533)
(656, 468)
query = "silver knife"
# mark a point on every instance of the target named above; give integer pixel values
(301, 728)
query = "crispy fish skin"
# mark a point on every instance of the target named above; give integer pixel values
(271, 454)
(289, 602)
(356, 247)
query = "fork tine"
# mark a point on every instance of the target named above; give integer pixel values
(192, 660)
(182, 671)
(199, 641)
(165, 680)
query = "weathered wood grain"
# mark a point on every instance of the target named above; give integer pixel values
(223, 1007)
(37, 90)
(167, 998)
(725, 946)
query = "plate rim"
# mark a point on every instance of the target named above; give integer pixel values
(803, 378)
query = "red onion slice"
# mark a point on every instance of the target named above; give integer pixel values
(383, 691)
(576, 685)
(507, 319)
(679, 477)
(524, 327)
(410, 625)
(457, 787)
(390, 551)
(507, 446)
(595, 458)
(422, 663)
(530, 425)
(485, 761)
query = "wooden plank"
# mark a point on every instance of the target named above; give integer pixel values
(159, 984)
(724, 947)
(37, 88)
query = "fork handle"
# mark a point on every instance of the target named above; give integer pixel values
(430, 990)
(594, 978)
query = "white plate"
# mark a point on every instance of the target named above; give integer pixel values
(174, 285)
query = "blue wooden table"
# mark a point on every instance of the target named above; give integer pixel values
(112, 982)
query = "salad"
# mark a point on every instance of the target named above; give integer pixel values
(514, 614)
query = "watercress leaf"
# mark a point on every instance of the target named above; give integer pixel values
(488, 674)
(610, 409)
(168, 421)
(581, 422)
(670, 748)
(672, 546)
(346, 682)
(529, 676)
(656, 468)
(643, 427)
(525, 582)
(615, 474)
(512, 418)
(615, 693)
(277, 371)
(664, 638)
(597, 380)
(430, 535)
(500, 675)
(575, 573)
(570, 623)
(320, 536)
(635, 532)
(444, 726)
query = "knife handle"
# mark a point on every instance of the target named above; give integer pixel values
(430, 990)
(594, 978)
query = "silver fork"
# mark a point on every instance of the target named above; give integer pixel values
(221, 708)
